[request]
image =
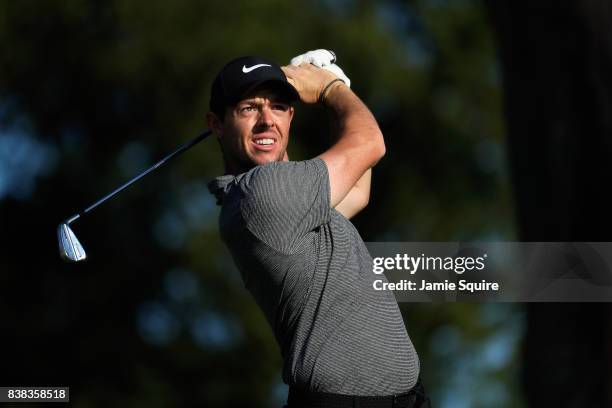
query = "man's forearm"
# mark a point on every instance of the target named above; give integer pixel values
(353, 123)
(359, 143)
(357, 199)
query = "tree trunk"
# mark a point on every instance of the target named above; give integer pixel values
(556, 62)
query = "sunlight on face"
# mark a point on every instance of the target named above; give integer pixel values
(256, 130)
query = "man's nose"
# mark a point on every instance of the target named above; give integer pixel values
(265, 117)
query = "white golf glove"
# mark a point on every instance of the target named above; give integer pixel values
(318, 58)
(324, 59)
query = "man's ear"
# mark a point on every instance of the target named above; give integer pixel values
(214, 124)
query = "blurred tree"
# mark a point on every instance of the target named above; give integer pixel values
(91, 93)
(557, 59)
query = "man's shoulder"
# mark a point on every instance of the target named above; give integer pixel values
(273, 174)
(280, 202)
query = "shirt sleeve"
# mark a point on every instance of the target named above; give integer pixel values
(283, 201)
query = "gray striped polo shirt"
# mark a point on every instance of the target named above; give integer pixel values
(311, 274)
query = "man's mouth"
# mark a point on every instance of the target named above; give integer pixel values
(264, 144)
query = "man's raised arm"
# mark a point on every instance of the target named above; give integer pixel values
(360, 143)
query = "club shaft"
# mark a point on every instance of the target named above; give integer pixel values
(141, 175)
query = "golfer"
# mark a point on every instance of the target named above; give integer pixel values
(286, 224)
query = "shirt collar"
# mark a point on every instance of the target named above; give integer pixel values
(222, 185)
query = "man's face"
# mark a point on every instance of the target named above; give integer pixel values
(255, 131)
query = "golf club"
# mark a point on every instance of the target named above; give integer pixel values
(70, 248)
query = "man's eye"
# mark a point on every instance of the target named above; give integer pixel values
(247, 109)
(280, 106)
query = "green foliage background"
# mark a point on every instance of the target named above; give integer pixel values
(99, 90)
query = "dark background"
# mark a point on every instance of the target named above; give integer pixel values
(498, 127)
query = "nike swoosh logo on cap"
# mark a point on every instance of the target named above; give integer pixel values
(249, 69)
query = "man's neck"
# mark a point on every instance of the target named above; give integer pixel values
(234, 169)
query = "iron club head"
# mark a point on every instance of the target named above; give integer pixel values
(69, 246)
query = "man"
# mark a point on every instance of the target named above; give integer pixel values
(286, 226)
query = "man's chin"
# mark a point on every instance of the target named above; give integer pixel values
(260, 160)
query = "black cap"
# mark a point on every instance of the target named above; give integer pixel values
(243, 74)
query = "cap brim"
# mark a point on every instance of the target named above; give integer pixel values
(285, 86)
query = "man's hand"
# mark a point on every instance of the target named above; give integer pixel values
(319, 58)
(325, 59)
(309, 81)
